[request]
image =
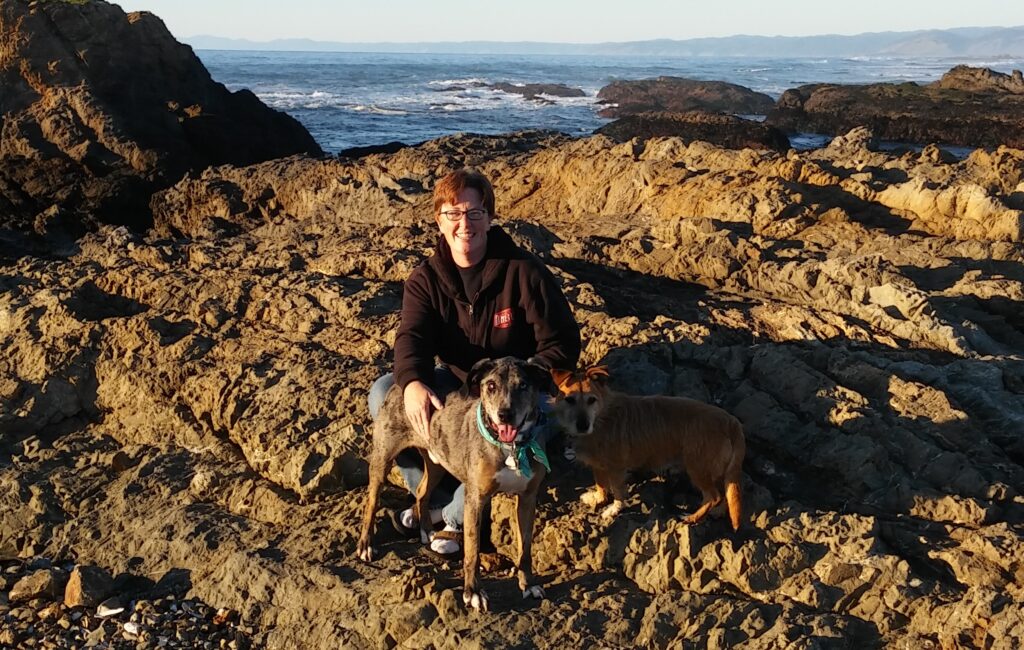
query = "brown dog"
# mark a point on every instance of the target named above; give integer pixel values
(484, 437)
(612, 433)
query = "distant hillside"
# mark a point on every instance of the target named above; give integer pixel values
(963, 41)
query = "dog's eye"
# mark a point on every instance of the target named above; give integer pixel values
(590, 400)
(570, 401)
(490, 386)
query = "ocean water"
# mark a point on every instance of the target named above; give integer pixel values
(348, 99)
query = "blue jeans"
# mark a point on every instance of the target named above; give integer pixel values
(449, 495)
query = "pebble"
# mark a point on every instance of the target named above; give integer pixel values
(109, 607)
(23, 613)
(117, 622)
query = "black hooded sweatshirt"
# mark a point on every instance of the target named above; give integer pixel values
(519, 311)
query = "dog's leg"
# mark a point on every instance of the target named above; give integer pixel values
(432, 475)
(526, 506)
(734, 475)
(472, 595)
(378, 469)
(617, 486)
(712, 497)
(596, 495)
(671, 486)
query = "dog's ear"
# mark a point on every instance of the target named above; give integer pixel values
(541, 377)
(560, 378)
(476, 375)
(598, 375)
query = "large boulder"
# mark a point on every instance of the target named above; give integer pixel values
(679, 95)
(99, 108)
(534, 92)
(723, 130)
(968, 107)
(981, 80)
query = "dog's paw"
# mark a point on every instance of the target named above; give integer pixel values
(534, 591)
(476, 599)
(593, 497)
(613, 509)
(364, 552)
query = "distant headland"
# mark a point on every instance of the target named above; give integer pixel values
(958, 42)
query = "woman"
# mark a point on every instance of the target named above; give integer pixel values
(478, 296)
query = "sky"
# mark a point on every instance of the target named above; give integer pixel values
(563, 21)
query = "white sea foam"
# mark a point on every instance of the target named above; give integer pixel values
(372, 108)
(469, 100)
(570, 101)
(457, 82)
(288, 99)
(1000, 63)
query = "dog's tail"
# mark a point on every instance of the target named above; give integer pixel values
(734, 474)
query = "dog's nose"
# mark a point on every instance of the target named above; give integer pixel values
(505, 415)
(582, 425)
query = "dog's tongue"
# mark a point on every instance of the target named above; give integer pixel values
(506, 432)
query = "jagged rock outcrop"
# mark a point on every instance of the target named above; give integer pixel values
(194, 398)
(679, 95)
(968, 106)
(726, 131)
(101, 108)
(981, 80)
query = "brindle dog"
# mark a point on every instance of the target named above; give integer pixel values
(507, 392)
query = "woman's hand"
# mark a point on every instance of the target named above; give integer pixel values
(420, 403)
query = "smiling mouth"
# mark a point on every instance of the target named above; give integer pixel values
(506, 432)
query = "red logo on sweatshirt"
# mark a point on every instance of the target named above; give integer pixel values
(503, 318)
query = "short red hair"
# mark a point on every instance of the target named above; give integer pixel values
(447, 189)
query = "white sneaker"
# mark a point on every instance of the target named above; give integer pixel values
(409, 520)
(444, 545)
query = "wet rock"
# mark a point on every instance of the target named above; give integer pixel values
(981, 80)
(968, 106)
(533, 92)
(679, 95)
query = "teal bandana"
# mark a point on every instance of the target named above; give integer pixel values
(518, 452)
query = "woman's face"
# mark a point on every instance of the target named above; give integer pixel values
(466, 237)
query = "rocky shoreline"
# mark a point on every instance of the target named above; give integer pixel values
(183, 419)
(195, 397)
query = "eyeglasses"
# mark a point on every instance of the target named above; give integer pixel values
(476, 214)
